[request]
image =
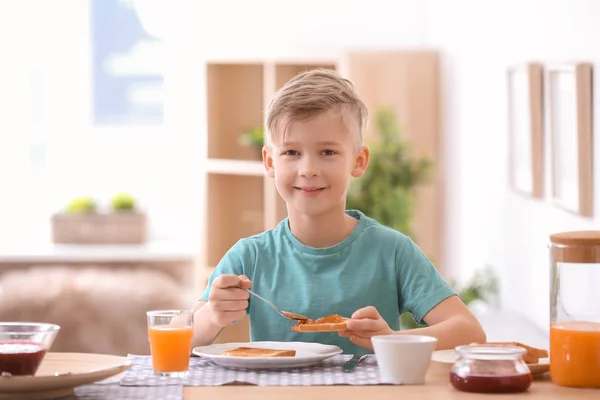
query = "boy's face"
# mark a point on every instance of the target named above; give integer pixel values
(314, 162)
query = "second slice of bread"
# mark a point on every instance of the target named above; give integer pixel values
(533, 354)
(258, 352)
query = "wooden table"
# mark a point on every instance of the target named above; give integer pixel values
(437, 386)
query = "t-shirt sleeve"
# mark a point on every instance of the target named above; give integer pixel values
(239, 260)
(420, 286)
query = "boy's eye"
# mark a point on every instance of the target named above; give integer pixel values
(328, 152)
(290, 153)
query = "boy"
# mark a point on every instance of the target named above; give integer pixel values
(324, 259)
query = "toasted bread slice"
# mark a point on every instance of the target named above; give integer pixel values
(533, 354)
(330, 323)
(257, 352)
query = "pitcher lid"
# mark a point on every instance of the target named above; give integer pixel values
(576, 238)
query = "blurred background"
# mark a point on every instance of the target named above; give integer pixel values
(153, 107)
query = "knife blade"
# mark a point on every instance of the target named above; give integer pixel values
(353, 362)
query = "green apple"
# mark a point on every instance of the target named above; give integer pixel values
(123, 202)
(81, 204)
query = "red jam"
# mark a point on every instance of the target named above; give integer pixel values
(330, 319)
(491, 383)
(20, 358)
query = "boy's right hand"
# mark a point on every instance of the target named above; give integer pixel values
(227, 302)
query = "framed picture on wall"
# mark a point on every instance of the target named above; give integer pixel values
(525, 128)
(569, 91)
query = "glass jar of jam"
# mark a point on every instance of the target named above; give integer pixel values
(486, 368)
(575, 309)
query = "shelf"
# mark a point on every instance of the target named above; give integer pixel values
(235, 211)
(235, 167)
(235, 105)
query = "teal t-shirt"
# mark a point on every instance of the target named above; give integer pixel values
(375, 266)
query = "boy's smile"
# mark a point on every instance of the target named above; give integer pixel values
(310, 191)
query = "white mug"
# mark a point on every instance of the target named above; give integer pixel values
(403, 359)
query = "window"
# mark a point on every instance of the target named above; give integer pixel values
(86, 101)
(126, 62)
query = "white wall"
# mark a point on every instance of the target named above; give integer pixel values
(487, 222)
(272, 28)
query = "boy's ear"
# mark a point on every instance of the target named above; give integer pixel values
(268, 161)
(361, 162)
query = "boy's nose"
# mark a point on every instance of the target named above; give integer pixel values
(308, 169)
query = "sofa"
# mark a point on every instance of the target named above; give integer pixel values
(99, 309)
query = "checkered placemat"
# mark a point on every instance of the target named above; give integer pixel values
(204, 372)
(114, 391)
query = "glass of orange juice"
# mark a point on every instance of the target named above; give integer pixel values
(170, 333)
(575, 309)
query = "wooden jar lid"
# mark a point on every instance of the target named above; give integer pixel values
(576, 246)
(577, 238)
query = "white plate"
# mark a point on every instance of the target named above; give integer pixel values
(307, 354)
(450, 357)
(77, 369)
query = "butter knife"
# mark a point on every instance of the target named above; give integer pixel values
(353, 362)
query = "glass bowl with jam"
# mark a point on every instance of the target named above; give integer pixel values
(23, 346)
(487, 368)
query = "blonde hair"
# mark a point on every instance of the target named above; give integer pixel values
(311, 93)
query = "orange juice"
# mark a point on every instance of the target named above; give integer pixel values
(170, 347)
(575, 354)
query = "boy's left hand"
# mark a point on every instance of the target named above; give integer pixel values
(365, 323)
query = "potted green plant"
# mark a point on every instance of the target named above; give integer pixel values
(482, 286)
(254, 138)
(386, 191)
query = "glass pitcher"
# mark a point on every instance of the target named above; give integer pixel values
(575, 309)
